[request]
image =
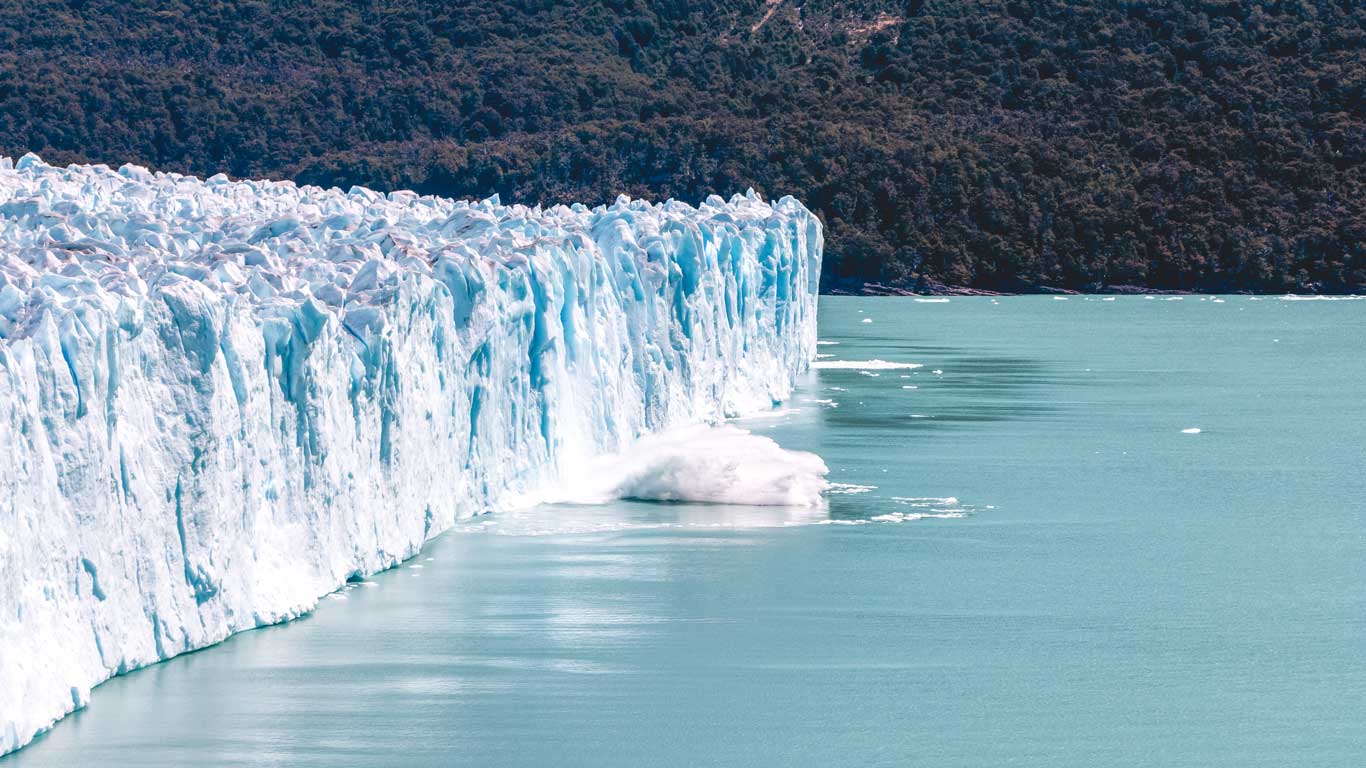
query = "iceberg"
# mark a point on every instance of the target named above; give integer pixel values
(220, 400)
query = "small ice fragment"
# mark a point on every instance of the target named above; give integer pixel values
(937, 372)
(909, 386)
(934, 300)
(867, 319)
(1191, 431)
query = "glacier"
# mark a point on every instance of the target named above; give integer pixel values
(220, 400)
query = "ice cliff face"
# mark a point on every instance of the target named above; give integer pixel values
(220, 400)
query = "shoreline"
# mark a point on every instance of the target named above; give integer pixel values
(929, 288)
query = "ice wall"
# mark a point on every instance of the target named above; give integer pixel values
(220, 400)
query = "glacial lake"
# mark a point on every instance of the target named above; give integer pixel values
(1033, 561)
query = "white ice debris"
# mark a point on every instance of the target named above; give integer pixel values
(220, 400)
(700, 463)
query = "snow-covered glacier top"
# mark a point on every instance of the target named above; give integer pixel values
(89, 234)
(221, 399)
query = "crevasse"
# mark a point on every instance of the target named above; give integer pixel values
(220, 400)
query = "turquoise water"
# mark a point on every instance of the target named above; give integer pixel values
(1091, 586)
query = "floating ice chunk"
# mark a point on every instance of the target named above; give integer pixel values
(933, 300)
(867, 319)
(1191, 431)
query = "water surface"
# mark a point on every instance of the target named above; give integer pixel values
(1044, 570)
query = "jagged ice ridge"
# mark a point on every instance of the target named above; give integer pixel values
(220, 400)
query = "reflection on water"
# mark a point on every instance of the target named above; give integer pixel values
(568, 519)
(1041, 571)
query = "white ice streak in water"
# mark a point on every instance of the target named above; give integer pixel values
(939, 300)
(1191, 431)
(220, 400)
(849, 489)
(1297, 297)
(863, 365)
(920, 508)
(701, 464)
(946, 507)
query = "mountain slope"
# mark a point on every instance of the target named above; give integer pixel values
(1000, 145)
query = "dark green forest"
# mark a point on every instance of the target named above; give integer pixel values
(1001, 145)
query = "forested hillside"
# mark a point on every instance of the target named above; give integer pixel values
(1213, 145)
